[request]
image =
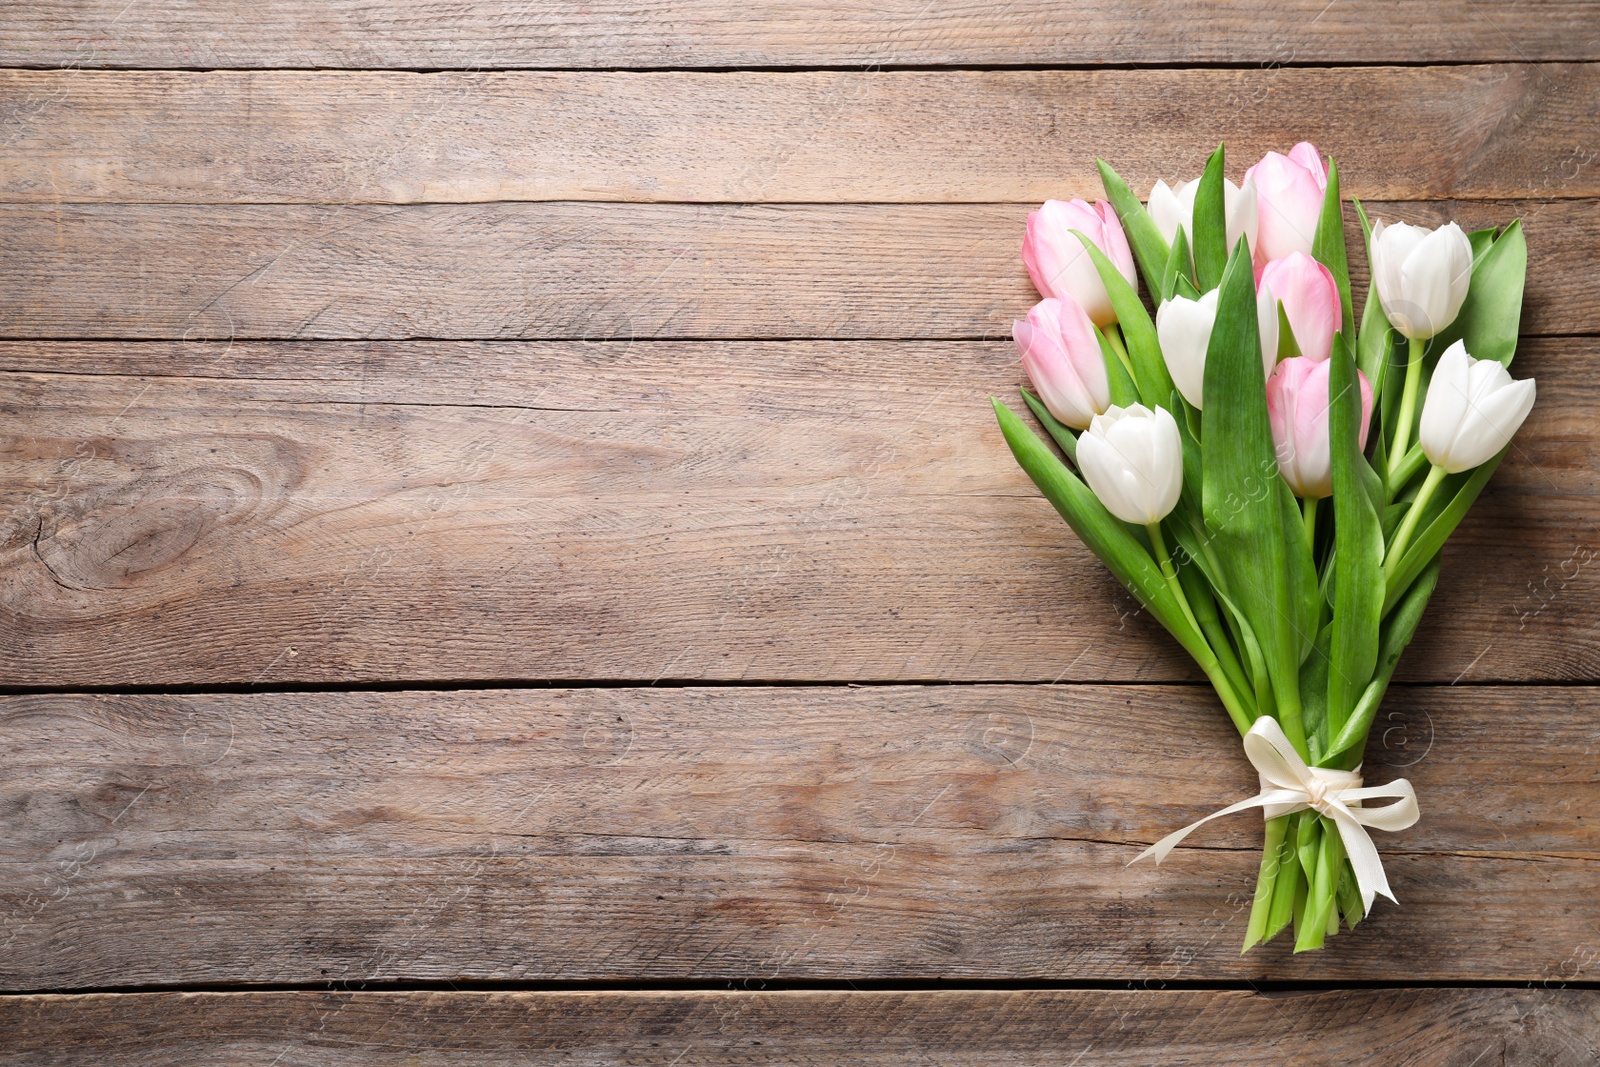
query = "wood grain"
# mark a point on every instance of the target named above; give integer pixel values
(716, 33)
(593, 271)
(187, 514)
(969, 832)
(1519, 130)
(1132, 1028)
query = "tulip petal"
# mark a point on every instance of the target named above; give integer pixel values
(1494, 418)
(1183, 327)
(1445, 406)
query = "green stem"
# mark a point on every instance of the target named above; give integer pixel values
(1313, 929)
(1408, 408)
(1408, 525)
(1205, 609)
(1272, 860)
(1290, 717)
(1287, 886)
(1413, 461)
(1219, 680)
(1113, 336)
(1170, 573)
(1349, 897)
(1309, 512)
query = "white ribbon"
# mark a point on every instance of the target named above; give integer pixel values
(1288, 785)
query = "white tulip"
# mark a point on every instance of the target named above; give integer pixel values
(1183, 327)
(1421, 274)
(1473, 408)
(1173, 208)
(1133, 460)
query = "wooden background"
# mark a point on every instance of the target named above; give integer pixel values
(505, 559)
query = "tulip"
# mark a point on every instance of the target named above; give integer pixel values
(1310, 299)
(1174, 208)
(1061, 353)
(1297, 408)
(1289, 190)
(1473, 408)
(1059, 264)
(1132, 458)
(1183, 327)
(1421, 274)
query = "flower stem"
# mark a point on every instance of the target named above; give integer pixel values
(1312, 930)
(1219, 679)
(1413, 461)
(1272, 861)
(1408, 407)
(1113, 336)
(1408, 525)
(1309, 511)
(1170, 573)
(1287, 886)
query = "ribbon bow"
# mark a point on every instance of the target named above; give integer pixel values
(1288, 785)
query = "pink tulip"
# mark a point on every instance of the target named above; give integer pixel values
(1061, 353)
(1310, 298)
(1289, 191)
(1297, 407)
(1059, 264)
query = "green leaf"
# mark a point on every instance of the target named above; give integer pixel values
(1177, 269)
(1240, 493)
(1149, 248)
(1107, 536)
(1376, 339)
(1398, 629)
(1327, 246)
(1123, 391)
(1426, 544)
(1144, 351)
(1210, 226)
(1358, 545)
(1197, 589)
(1492, 313)
(1059, 433)
(1300, 572)
(1189, 500)
(1314, 685)
(1288, 345)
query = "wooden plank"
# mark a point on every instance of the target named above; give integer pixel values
(716, 33)
(1521, 130)
(593, 271)
(314, 513)
(1090, 1028)
(961, 833)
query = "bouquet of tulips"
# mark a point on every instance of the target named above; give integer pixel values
(1271, 482)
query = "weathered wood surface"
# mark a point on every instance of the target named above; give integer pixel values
(1087, 1028)
(717, 33)
(214, 513)
(593, 271)
(1521, 130)
(968, 832)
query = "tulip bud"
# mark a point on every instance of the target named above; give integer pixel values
(1473, 408)
(1133, 460)
(1061, 353)
(1422, 275)
(1183, 327)
(1310, 299)
(1059, 264)
(1172, 209)
(1297, 408)
(1289, 190)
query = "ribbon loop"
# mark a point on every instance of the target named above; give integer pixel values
(1288, 786)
